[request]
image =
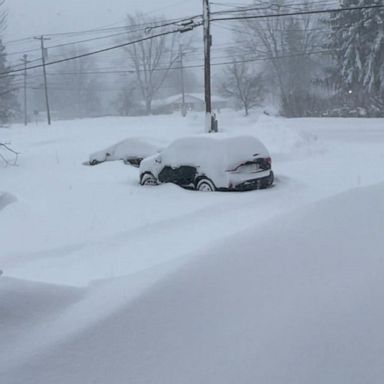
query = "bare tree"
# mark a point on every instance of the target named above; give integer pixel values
(244, 85)
(8, 102)
(7, 155)
(126, 101)
(3, 16)
(152, 59)
(286, 43)
(8, 97)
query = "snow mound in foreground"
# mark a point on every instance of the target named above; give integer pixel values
(296, 301)
(23, 302)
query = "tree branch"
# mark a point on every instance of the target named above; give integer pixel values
(7, 148)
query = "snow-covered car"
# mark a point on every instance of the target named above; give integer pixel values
(131, 151)
(211, 162)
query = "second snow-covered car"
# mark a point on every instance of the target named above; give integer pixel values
(131, 151)
(211, 162)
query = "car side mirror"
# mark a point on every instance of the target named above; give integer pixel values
(158, 160)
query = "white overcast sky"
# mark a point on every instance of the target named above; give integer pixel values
(27, 18)
(38, 17)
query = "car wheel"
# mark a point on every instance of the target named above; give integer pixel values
(205, 185)
(135, 162)
(148, 179)
(269, 182)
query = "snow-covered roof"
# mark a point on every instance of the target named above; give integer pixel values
(214, 98)
(189, 98)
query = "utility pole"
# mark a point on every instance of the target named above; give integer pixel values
(183, 107)
(43, 55)
(210, 120)
(25, 61)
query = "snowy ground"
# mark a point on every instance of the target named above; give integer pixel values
(108, 281)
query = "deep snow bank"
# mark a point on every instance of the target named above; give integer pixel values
(299, 300)
(281, 136)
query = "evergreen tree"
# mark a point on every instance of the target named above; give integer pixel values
(357, 44)
(299, 71)
(8, 99)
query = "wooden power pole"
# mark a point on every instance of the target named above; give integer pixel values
(210, 120)
(25, 61)
(183, 106)
(43, 55)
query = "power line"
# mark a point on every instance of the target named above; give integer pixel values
(90, 31)
(311, 12)
(197, 24)
(130, 71)
(75, 42)
(269, 5)
(60, 88)
(92, 39)
(242, 10)
(91, 53)
(17, 41)
(109, 29)
(229, 5)
(126, 31)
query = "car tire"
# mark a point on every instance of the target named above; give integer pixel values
(94, 162)
(148, 179)
(205, 185)
(270, 181)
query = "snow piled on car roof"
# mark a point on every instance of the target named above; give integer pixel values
(219, 149)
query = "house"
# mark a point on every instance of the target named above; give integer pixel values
(193, 102)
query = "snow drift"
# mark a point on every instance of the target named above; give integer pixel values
(296, 300)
